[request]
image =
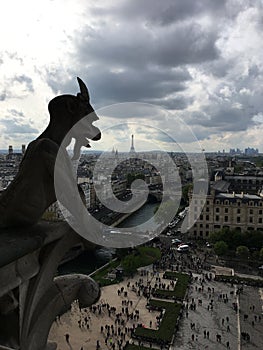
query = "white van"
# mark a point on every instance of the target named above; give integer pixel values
(183, 248)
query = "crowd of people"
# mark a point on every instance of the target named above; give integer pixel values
(118, 322)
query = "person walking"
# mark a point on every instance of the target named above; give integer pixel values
(67, 338)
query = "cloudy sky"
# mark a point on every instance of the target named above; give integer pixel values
(200, 62)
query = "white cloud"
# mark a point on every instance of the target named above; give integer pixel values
(225, 91)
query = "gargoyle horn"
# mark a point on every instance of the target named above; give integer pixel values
(83, 89)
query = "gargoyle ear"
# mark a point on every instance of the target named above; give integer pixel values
(84, 93)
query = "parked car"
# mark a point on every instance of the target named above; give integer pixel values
(176, 241)
(183, 248)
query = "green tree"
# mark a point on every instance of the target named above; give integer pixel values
(259, 162)
(242, 251)
(236, 238)
(122, 252)
(255, 255)
(129, 264)
(221, 248)
(221, 235)
(253, 239)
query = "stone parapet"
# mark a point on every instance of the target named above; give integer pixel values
(30, 295)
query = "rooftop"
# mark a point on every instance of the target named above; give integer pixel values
(239, 196)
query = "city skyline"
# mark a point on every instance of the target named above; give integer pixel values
(199, 62)
(248, 151)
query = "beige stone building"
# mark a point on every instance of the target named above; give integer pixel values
(238, 211)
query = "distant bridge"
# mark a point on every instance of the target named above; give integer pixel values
(156, 193)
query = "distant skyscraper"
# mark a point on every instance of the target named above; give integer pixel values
(10, 149)
(23, 149)
(132, 150)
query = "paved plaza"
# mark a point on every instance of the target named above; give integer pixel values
(214, 316)
(89, 332)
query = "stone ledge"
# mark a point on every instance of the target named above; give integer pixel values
(6, 348)
(28, 263)
(15, 243)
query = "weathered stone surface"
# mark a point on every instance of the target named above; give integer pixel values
(31, 297)
(6, 348)
(58, 300)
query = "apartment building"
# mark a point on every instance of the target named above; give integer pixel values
(245, 183)
(237, 211)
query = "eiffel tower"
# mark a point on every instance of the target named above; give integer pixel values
(132, 150)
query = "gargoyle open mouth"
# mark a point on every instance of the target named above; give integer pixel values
(82, 141)
(84, 131)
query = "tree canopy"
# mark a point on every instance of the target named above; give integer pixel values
(242, 252)
(221, 248)
(235, 238)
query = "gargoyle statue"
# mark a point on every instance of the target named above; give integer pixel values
(32, 190)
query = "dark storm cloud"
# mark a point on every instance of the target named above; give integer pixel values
(220, 67)
(221, 118)
(131, 61)
(130, 111)
(108, 87)
(187, 44)
(130, 45)
(160, 12)
(131, 85)
(175, 103)
(236, 99)
(173, 54)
